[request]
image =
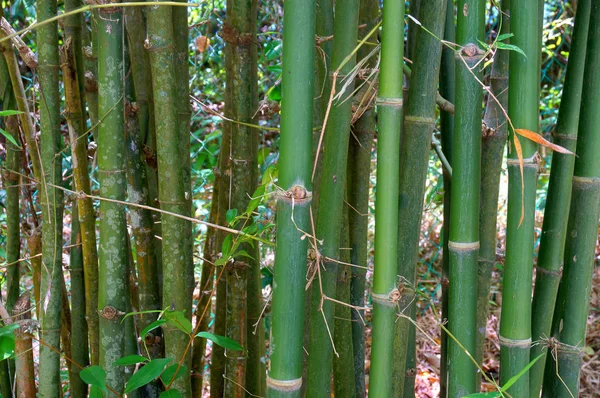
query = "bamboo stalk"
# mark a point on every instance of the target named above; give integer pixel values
(494, 135)
(463, 244)
(333, 179)
(79, 327)
(582, 229)
(343, 365)
(359, 169)
(385, 290)
(51, 201)
(523, 103)
(551, 252)
(419, 121)
(160, 44)
(113, 292)
(287, 329)
(447, 77)
(24, 369)
(87, 219)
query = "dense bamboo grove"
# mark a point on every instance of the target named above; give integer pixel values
(229, 200)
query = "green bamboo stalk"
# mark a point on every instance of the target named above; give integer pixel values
(10, 179)
(447, 76)
(419, 121)
(493, 142)
(359, 169)
(182, 98)
(79, 156)
(11, 185)
(385, 290)
(79, 327)
(413, 28)
(515, 327)
(51, 201)
(463, 244)
(24, 369)
(141, 219)
(242, 369)
(113, 292)
(287, 329)
(142, 82)
(343, 365)
(551, 253)
(332, 184)
(217, 366)
(160, 44)
(207, 277)
(582, 229)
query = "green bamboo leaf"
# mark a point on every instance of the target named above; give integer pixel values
(140, 313)
(9, 137)
(95, 376)
(243, 253)
(221, 261)
(170, 394)
(505, 36)
(167, 376)
(510, 47)
(7, 347)
(231, 215)
(147, 373)
(226, 247)
(9, 112)
(257, 197)
(130, 360)
(95, 392)
(494, 394)
(8, 330)
(222, 341)
(516, 377)
(178, 319)
(152, 326)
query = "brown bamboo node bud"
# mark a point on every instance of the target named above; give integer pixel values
(231, 35)
(90, 84)
(471, 50)
(109, 312)
(296, 194)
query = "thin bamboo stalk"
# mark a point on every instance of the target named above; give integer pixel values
(24, 369)
(419, 121)
(582, 229)
(287, 329)
(359, 169)
(551, 253)
(493, 142)
(160, 44)
(447, 77)
(333, 180)
(515, 327)
(343, 365)
(51, 201)
(113, 292)
(79, 327)
(242, 369)
(79, 157)
(463, 244)
(217, 366)
(385, 290)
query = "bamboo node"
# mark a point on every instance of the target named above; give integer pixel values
(231, 35)
(109, 312)
(463, 246)
(579, 180)
(284, 385)
(393, 102)
(296, 194)
(506, 342)
(542, 270)
(532, 161)
(556, 346)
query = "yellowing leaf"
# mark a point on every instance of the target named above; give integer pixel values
(519, 150)
(202, 43)
(535, 137)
